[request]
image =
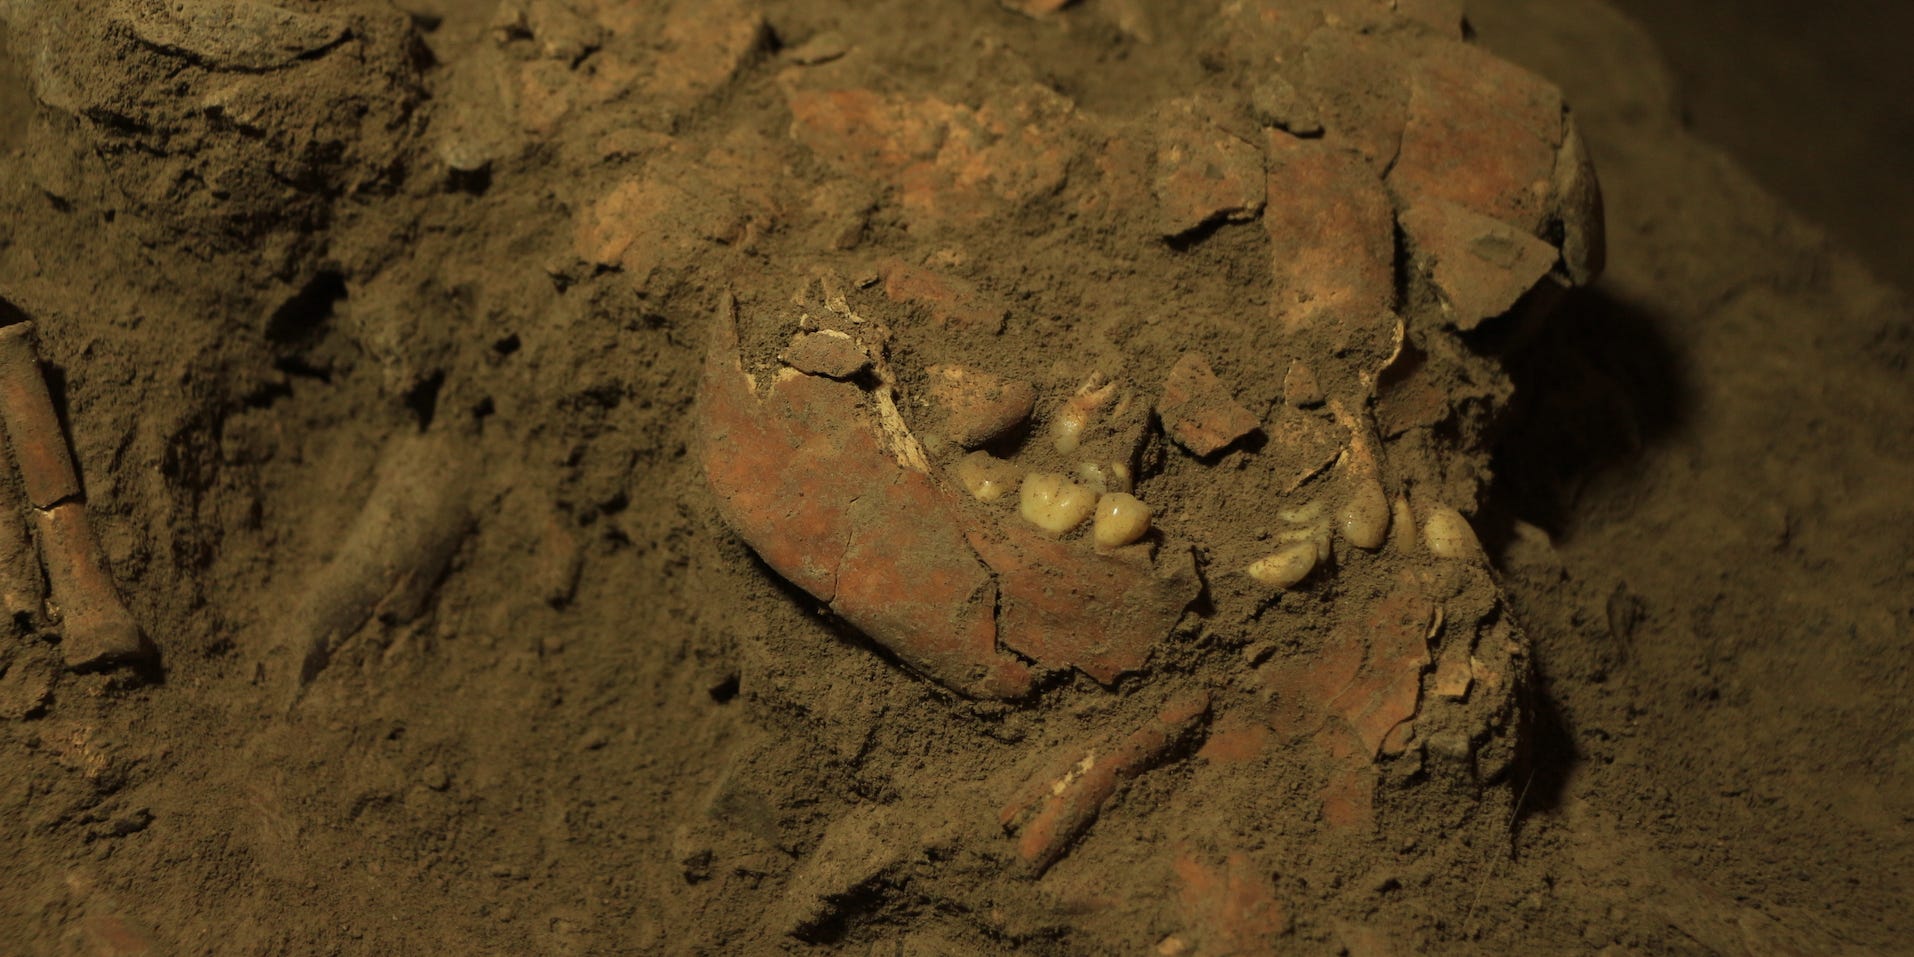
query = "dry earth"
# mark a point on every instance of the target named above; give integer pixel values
(335, 371)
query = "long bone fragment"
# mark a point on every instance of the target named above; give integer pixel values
(1068, 797)
(97, 630)
(392, 558)
(22, 589)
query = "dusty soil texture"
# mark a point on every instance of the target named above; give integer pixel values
(1795, 93)
(386, 339)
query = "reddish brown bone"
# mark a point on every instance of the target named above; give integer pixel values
(1332, 233)
(1075, 794)
(97, 630)
(1482, 134)
(1198, 410)
(22, 590)
(801, 475)
(1066, 607)
(33, 428)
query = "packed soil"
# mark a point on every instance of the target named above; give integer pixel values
(383, 339)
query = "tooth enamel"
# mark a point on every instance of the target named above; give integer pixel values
(1121, 519)
(1404, 521)
(1304, 514)
(1449, 535)
(1287, 567)
(1364, 518)
(1091, 475)
(1066, 431)
(1054, 503)
(985, 476)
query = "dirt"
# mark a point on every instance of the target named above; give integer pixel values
(1794, 94)
(379, 336)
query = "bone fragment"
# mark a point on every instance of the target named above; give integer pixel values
(392, 558)
(96, 628)
(22, 589)
(1046, 828)
(33, 428)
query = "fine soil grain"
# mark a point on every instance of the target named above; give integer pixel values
(377, 331)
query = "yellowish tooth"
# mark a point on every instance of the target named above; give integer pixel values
(1092, 475)
(986, 477)
(1054, 503)
(1404, 521)
(1121, 519)
(1364, 518)
(1066, 430)
(1304, 514)
(1286, 567)
(1449, 535)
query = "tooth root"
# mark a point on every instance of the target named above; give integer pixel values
(1121, 520)
(1449, 535)
(1091, 475)
(1364, 518)
(1404, 520)
(1092, 397)
(1286, 567)
(1054, 503)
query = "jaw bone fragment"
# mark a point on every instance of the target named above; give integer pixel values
(825, 481)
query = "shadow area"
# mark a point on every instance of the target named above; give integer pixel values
(1598, 385)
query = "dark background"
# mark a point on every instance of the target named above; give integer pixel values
(1815, 98)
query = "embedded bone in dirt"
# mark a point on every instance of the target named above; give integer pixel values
(389, 561)
(1310, 501)
(802, 471)
(1071, 791)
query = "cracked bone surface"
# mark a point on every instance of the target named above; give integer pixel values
(1268, 381)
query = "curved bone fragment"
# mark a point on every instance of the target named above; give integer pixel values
(806, 480)
(1065, 606)
(1074, 790)
(392, 559)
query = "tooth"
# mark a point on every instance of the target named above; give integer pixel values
(1054, 503)
(1121, 519)
(985, 476)
(1448, 534)
(1364, 518)
(1066, 431)
(1287, 567)
(1404, 520)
